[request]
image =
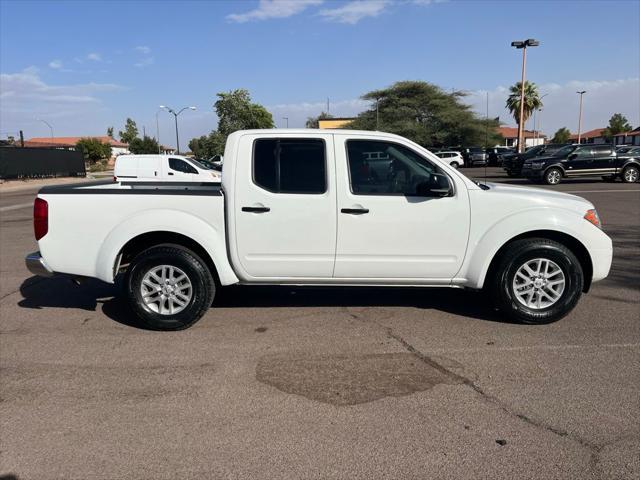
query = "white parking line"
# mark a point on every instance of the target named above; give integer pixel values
(597, 191)
(16, 207)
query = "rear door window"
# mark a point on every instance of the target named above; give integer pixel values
(290, 165)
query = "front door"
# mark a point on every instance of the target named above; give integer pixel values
(285, 207)
(177, 170)
(386, 230)
(580, 161)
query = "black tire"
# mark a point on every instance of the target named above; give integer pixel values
(455, 165)
(202, 286)
(630, 174)
(553, 176)
(501, 289)
(512, 174)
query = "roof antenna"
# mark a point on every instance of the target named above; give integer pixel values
(486, 141)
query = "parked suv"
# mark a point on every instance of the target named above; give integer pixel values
(512, 164)
(582, 161)
(476, 156)
(452, 158)
(496, 154)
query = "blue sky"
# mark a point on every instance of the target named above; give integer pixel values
(84, 66)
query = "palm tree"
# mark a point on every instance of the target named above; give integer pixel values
(532, 100)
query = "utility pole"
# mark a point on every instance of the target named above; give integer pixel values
(581, 93)
(522, 45)
(286, 119)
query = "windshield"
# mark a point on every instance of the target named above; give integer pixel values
(204, 164)
(564, 151)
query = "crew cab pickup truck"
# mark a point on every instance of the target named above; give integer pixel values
(583, 161)
(305, 207)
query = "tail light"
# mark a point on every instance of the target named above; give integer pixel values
(40, 218)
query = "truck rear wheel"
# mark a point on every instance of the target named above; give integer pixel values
(536, 281)
(169, 287)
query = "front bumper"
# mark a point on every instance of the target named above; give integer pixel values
(37, 265)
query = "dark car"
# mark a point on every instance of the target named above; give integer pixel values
(512, 164)
(583, 161)
(496, 155)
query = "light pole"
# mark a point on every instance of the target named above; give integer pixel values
(48, 125)
(158, 131)
(175, 115)
(530, 42)
(286, 119)
(581, 93)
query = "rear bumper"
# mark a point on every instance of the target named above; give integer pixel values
(36, 265)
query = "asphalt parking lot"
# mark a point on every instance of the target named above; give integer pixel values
(320, 383)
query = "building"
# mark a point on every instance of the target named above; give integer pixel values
(334, 122)
(117, 148)
(531, 138)
(595, 136)
(628, 138)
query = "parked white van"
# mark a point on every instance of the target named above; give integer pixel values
(172, 168)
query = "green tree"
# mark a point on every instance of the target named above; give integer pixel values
(130, 131)
(426, 114)
(561, 136)
(235, 112)
(618, 123)
(531, 100)
(143, 145)
(110, 132)
(93, 149)
(314, 122)
(207, 146)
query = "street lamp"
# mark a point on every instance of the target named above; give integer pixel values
(175, 115)
(581, 93)
(48, 125)
(286, 119)
(536, 133)
(158, 131)
(523, 45)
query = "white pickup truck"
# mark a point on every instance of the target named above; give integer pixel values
(323, 207)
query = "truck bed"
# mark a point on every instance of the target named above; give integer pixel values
(89, 224)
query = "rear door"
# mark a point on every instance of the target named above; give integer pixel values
(604, 160)
(285, 206)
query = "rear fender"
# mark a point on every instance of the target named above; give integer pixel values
(211, 239)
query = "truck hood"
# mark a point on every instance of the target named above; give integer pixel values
(539, 197)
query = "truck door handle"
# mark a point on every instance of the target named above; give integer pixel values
(256, 209)
(355, 211)
(170, 173)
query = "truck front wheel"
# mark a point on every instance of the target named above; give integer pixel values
(536, 281)
(169, 287)
(553, 176)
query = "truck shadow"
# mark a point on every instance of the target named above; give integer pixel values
(94, 295)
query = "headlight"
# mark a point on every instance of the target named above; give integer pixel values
(592, 217)
(537, 166)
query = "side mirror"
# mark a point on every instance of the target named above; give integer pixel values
(437, 185)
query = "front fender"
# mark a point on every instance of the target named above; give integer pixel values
(212, 239)
(487, 243)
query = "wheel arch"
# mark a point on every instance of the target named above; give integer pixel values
(572, 243)
(159, 238)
